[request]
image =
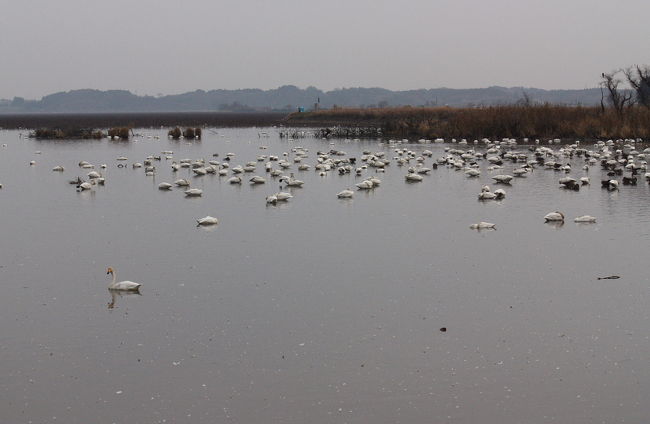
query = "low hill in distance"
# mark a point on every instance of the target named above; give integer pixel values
(289, 98)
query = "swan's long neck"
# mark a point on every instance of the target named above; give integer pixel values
(114, 279)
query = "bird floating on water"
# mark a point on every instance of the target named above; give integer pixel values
(554, 217)
(483, 226)
(207, 220)
(122, 285)
(585, 219)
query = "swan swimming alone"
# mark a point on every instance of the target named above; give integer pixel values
(122, 285)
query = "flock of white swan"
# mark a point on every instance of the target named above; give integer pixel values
(617, 158)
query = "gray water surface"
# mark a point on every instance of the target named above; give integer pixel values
(317, 310)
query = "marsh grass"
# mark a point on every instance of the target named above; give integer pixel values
(66, 133)
(494, 121)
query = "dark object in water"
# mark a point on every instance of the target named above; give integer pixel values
(443, 329)
(629, 180)
(611, 277)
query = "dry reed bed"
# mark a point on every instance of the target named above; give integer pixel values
(139, 120)
(495, 121)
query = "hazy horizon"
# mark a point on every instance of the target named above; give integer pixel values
(276, 88)
(162, 47)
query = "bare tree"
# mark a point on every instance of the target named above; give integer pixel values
(639, 79)
(619, 99)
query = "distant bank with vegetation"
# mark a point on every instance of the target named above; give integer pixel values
(494, 121)
(622, 113)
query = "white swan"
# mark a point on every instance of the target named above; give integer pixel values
(194, 192)
(585, 219)
(257, 180)
(413, 177)
(291, 182)
(58, 169)
(554, 217)
(483, 226)
(503, 179)
(234, 180)
(164, 186)
(122, 285)
(182, 182)
(345, 194)
(283, 196)
(365, 185)
(207, 220)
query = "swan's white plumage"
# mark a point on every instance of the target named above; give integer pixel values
(121, 285)
(554, 217)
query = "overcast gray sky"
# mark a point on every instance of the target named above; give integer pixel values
(168, 46)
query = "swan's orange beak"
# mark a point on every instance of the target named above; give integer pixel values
(109, 271)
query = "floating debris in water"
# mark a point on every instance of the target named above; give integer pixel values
(611, 277)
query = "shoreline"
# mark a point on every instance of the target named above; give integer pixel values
(494, 122)
(140, 120)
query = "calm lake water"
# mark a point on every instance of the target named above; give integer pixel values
(318, 310)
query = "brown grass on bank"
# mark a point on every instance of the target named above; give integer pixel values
(494, 121)
(66, 133)
(121, 132)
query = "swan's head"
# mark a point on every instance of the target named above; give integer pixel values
(109, 270)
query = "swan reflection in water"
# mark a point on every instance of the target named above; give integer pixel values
(120, 293)
(555, 224)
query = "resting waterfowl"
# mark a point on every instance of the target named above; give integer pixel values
(283, 196)
(291, 182)
(500, 193)
(122, 285)
(257, 180)
(207, 220)
(84, 186)
(345, 194)
(487, 195)
(554, 217)
(412, 177)
(503, 179)
(483, 226)
(585, 219)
